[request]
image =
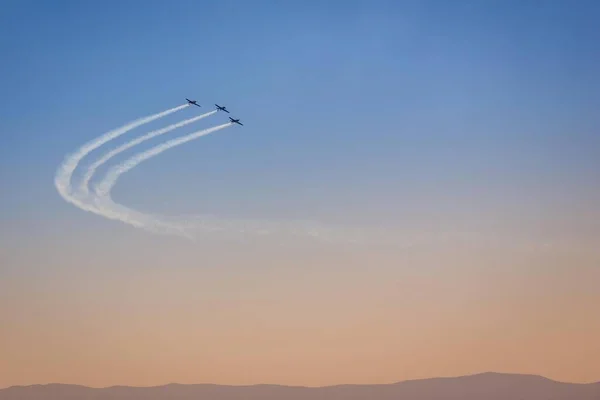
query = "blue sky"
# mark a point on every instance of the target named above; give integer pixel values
(410, 107)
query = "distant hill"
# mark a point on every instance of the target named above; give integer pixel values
(487, 386)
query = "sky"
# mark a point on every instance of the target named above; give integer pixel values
(468, 128)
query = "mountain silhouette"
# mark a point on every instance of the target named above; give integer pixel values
(486, 386)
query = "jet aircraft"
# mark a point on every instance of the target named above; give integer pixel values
(219, 108)
(235, 121)
(194, 102)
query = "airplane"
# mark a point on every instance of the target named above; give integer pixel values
(219, 108)
(194, 102)
(235, 121)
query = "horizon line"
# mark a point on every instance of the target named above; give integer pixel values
(299, 386)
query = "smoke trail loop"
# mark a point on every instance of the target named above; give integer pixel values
(84, 188)
(103, 188)
(64, 174)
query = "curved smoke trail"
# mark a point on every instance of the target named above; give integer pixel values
(112, 210)
(190, 226)
(84, 188)
(64, 174)
(100, 202)
(104, 187)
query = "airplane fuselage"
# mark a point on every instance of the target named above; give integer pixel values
(235, 121)
(219, 108)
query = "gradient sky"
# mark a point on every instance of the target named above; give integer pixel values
(470, 127)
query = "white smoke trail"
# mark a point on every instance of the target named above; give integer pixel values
(188, 227)
(191, 226)
(84, 188)
(62, 179)
(112, 210)
(104, 187)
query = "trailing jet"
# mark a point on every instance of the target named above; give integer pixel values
(194, 102)
(235, 121)
(219, 108)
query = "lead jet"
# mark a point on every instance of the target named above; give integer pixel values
(194, 102)
(219, 108)
(235, 121)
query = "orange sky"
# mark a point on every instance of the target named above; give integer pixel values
(141, 310)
